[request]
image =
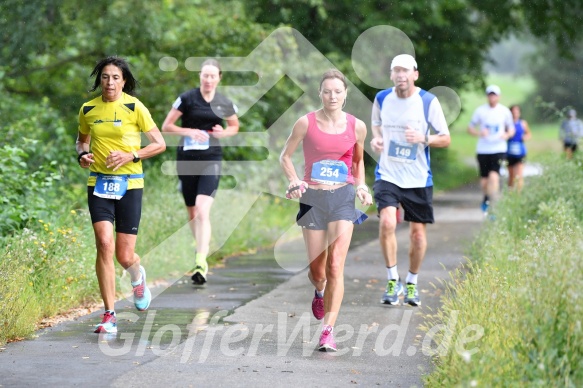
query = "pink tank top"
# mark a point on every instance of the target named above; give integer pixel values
(328, 157)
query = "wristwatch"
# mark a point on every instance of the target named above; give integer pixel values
(136, 157)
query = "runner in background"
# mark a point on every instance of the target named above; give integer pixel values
(203, 112)
(571, 131)
(492, 124)
(517, 149)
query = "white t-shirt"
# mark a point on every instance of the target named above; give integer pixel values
(496, 120)
(405, 164)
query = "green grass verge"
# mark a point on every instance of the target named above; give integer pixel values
(520, 296)
(46, 269)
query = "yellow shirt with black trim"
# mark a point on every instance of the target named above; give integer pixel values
(115, 126)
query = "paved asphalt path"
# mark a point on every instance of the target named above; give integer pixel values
(252, 324)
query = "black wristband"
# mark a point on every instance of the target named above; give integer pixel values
(80, 156)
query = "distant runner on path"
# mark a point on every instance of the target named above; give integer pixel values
(492, 124)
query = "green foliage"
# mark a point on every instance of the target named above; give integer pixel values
(22, 191)
(525, 268)
(559, 82)
(448, 172)
(449, 45)
(37, 156)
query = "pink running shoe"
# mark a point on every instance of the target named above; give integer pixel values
(327, 342)
(318, 307)
(108, 324)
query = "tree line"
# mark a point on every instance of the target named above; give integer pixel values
(49, 48)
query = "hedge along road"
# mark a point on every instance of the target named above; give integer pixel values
(252, 325)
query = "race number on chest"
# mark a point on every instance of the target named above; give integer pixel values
(329, 172)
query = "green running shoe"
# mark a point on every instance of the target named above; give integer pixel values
(412, 295)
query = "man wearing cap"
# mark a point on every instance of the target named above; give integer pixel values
(492, 124)
(571, 131)
(402, 117)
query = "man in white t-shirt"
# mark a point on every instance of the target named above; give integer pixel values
(402, 117)
(492, 124)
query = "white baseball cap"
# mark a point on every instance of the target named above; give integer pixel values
(493, 89)
(405, 61)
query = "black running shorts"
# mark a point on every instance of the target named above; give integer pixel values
(569, 145)
(417, 202)
(513, 160)
(125, 212)
(199, 177)
(490, 162)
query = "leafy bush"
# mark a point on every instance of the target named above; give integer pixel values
(37, 153)
(24, 192)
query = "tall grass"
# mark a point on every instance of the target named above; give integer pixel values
(523, 290)
(45, 270)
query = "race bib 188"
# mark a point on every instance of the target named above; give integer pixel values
(110, 186)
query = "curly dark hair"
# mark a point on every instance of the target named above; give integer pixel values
(123, 65)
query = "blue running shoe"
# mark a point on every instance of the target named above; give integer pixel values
(108, 324)
(485, 206)
(142, 295)
(391, 295)
(412, 295)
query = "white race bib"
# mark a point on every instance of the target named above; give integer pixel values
(329, 172)
(191, 144)
(401, 151)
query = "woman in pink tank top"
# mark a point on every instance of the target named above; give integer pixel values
(333, 146)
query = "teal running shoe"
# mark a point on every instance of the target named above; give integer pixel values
(142, 295)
